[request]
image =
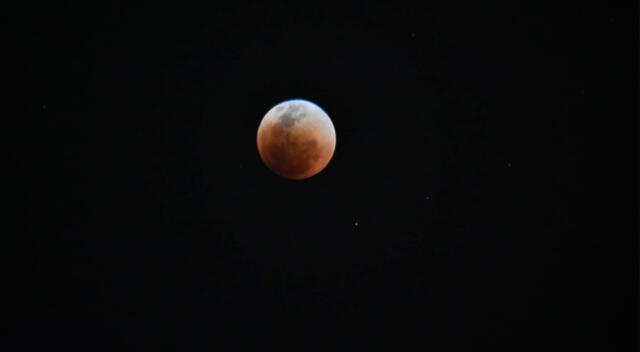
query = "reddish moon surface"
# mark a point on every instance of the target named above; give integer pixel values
(296, 139)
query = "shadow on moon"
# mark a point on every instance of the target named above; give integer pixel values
(291, 155)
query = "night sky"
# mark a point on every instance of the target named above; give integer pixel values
(483, 191)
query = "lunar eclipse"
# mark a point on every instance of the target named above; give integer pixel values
(296, 139)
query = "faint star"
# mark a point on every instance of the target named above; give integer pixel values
(355, 224)
(413, 34)
(508, 164)
(428, 198)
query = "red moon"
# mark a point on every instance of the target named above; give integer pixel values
(296, 139)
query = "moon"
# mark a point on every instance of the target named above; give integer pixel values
(296, 139)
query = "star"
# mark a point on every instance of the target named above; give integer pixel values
(355, 224)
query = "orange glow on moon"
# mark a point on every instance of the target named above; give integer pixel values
(296, 139)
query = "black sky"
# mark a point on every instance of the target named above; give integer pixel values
(477, 150)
